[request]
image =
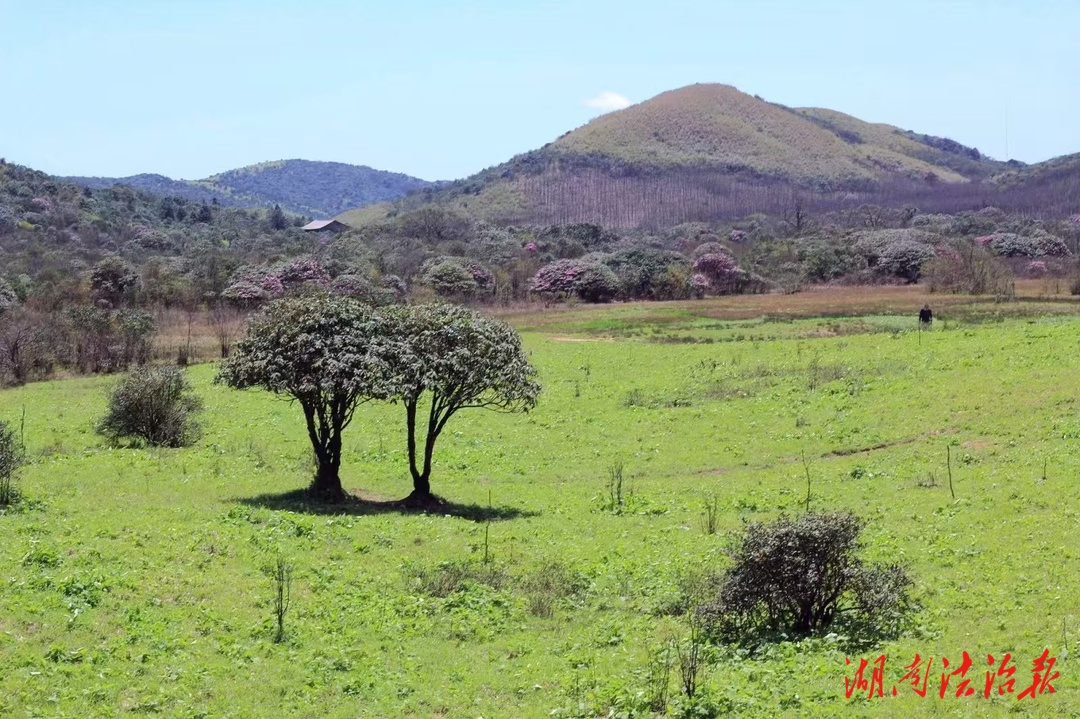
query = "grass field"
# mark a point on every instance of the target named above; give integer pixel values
(137, 581)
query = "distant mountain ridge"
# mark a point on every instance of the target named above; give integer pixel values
(699, 153)
(306, 187)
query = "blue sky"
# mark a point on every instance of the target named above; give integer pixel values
(443, 89)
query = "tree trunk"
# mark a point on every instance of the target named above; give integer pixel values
(421, 486)
(327, 483)
(421, 493)
(429, 449)
(420, 483)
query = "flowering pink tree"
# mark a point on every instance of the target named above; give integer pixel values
(718, 269)
(591, 281)
(245, 293)
(272, 285)
(557, 278)
(485, 281)
(715, 265)
(947, 253)
(41, 204)
(303, 270)
(709, 248)
(699, 284)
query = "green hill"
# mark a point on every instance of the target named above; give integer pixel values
(936, 151)
(318, 189)
(1060, 173)
(52, 231)
(697, 153)
(716, 126)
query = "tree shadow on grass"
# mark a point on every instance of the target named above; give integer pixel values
(301, 501)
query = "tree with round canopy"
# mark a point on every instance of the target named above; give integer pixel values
(324, 351)
(446, 358)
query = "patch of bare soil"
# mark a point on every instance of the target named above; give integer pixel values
(975, 444)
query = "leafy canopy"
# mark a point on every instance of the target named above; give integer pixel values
(319, 349)
(457, 359)
(462, 357)
(325, 351)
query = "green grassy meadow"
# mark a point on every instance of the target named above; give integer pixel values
(135, 582)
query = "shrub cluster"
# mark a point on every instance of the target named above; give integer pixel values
(640, 273)
(1010, 244)
(970, 268)
(12, 456)
(589, 281)
(457, 278)
(155, 405)
(84, 338)
(800, 576)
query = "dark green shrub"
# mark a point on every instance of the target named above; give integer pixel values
(597, 283)
(450, 279)
(112, 280)
(799, 576)
(12, 456)
(8, 298)
(904, 258)
(155, 405)
(457, 278)
(362, 288)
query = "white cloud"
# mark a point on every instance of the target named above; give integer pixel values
(607, 101)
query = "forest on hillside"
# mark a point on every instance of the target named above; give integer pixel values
(598, 190)
(85, 270)
(318, 189)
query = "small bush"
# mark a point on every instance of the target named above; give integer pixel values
(797, 577)
(12, 457)
(969, 268)
(552, 583)
(155, 405)
(448, 578)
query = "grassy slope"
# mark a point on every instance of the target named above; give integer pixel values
(499, 201)
(1058, 171)
(894, 140)
(716, 125)
(136, 584)
(713, 128)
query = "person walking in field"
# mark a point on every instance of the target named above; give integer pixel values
(925, 317)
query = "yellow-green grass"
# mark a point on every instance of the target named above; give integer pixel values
(656, 163)
(718, 125)
(134, 580)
